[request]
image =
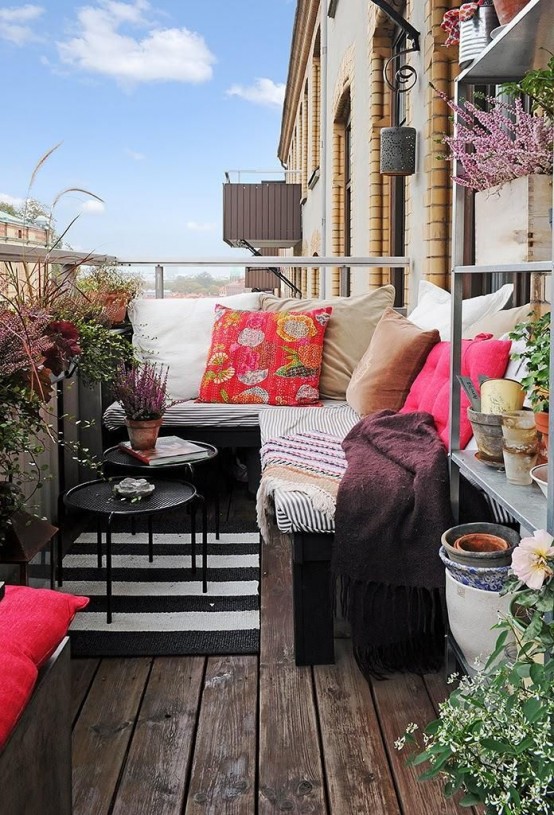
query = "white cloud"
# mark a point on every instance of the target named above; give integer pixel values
(10, 199)
(262, 92)
(14, 23)
(195, 226)
(135, 155)
(93, 207)
(161, 55)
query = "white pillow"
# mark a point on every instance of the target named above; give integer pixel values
(177, 332)
(433, 308)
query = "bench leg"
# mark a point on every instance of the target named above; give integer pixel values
(313, 599)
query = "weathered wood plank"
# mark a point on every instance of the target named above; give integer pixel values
(290, 769)
(103, 730)
(82, 676)
(400, 700)
(277, 630)
(157, 766)
(223, 780)
(355, 761)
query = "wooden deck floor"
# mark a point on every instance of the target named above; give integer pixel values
(240, 735)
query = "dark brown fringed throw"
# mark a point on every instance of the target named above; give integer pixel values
(392, 507)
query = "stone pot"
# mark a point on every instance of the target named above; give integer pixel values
(480, 558)
(541, 422)
(508, 9)
(143, 434)
(487, 429)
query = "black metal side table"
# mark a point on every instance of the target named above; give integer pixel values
(118, 459)
(99, 498)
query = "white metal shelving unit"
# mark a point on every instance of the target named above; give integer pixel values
(522, 45)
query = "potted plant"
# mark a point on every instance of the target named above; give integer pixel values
(470, 26)
(534, 338)
(111, 288)
(492, 741)
(505, 154)
(142, 391)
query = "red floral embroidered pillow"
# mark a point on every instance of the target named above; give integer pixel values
(265, 357)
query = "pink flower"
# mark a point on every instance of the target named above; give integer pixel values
(533, 559)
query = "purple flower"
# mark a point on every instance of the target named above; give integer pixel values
(142, 390)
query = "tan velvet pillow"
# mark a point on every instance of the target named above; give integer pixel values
(395, 356)
(353, 321)
(500, 323)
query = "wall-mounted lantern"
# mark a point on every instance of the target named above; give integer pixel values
(398, 151)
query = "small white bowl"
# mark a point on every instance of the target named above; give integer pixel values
(539, 475)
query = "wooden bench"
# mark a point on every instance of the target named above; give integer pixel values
(35, 764)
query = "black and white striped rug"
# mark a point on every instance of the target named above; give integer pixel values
(159, 608)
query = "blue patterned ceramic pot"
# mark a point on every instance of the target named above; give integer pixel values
(485, 579)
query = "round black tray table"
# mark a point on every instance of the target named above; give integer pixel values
(99, 498)
(120, 460)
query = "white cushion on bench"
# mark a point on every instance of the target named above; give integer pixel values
(177, 332)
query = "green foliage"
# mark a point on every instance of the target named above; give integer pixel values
(102, 351)
(108, 279)
(536, 356)
(492, 741)
(538, 84)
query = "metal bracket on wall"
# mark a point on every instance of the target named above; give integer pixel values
(405, 76)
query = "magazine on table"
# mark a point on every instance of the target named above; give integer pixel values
(168, 450)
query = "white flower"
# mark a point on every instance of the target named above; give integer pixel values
(530, 560)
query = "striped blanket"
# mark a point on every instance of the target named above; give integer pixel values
(312, 463)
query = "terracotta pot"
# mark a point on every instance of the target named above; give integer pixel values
(480, 542)
(115, 306)
(480, 558)
(541, 421)
(506, 10)
(143, 434)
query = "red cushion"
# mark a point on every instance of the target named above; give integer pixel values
(17, 680)
(34, 621)
(430, 391)
(265, 357)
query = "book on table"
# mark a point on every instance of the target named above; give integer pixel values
(168, 450)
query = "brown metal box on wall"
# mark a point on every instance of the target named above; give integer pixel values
(265, 214)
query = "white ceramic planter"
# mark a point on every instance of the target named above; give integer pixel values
(471, 615)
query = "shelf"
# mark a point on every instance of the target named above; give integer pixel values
(526, 504)
(507, 268)
(523, 44)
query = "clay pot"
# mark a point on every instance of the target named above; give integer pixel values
(480, 542)
(480, 558)
(487, 429)
(143, 434)
(506, 10)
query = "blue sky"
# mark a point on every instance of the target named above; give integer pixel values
(153, 102)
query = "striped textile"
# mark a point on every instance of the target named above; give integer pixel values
(294, 511)
(207, 414)
(310, 464)
(159, 608)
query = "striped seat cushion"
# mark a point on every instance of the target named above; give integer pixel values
(203, 414)
(294, 511)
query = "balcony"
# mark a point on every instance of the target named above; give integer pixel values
(266, 214)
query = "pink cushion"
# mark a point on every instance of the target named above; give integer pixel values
(34, 621)
(430, 391)
(18, 675)
(264, 357)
